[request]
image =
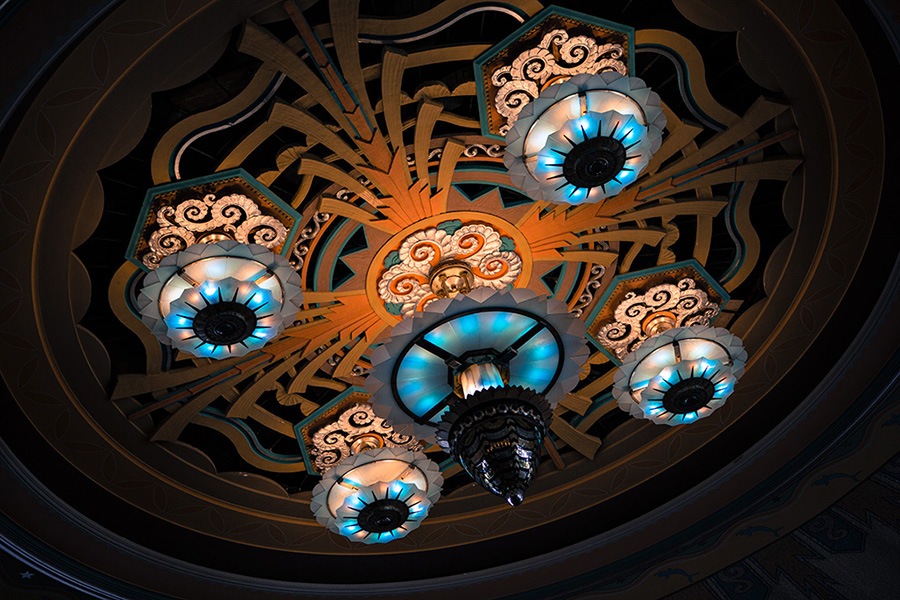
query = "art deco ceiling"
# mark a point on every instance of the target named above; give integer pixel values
(355, 128)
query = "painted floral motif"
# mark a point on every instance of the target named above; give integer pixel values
(492, 258)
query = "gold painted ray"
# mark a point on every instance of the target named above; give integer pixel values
(449, 158)
(546, 234)
(261, 44)
(345, 29)
(333, 206)
(271, 421)
(680, 136)
(427, 117)
(345, 367)
(393, 66)
(583, 443)
(298, 119)
(644, 235)
(761, 112)
(242, 406)
(312, 166)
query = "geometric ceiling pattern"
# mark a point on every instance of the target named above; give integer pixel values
(347, 136)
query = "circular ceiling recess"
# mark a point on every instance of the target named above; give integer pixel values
(220, 217)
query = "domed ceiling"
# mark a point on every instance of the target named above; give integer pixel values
(364, 142)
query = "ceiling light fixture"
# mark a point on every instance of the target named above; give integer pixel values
(680, 375)
(377, 495)
(220, 300)
(585, 139)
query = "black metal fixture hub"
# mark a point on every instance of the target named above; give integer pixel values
(497, 435)
(224, 323)
(383, 515)
(689, 395)
(594, 162)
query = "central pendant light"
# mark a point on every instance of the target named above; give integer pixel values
(483, 372)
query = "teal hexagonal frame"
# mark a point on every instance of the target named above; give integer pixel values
(231, 180)
(533, 29)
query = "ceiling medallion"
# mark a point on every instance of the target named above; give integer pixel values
(354, 430)
(553, 46)
(534, 69)
(377, 495)
(439, 262)
(680, 375)
(220, 300)
(665, 306)
(486, 368)
(636, 306)
(584, 140)
(230, 205)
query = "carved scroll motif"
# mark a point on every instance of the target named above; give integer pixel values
(331, 443)
(689, 305)
(522, 81)
(234, 217)
(477, 244)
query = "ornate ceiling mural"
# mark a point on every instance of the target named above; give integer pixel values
(360, 149)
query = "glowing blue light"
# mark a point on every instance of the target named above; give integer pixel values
(408, 387)
(577, 195)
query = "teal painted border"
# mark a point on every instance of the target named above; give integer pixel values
(197, 181)
(341, 254)
(304, 452)
(562, 277)
(550, 10)
(686, 83)
(250, 436)
(709, 280)
(330, 234)
(740, 254)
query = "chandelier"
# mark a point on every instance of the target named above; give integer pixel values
(483, 372)
(680, 375)
(675, 367)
